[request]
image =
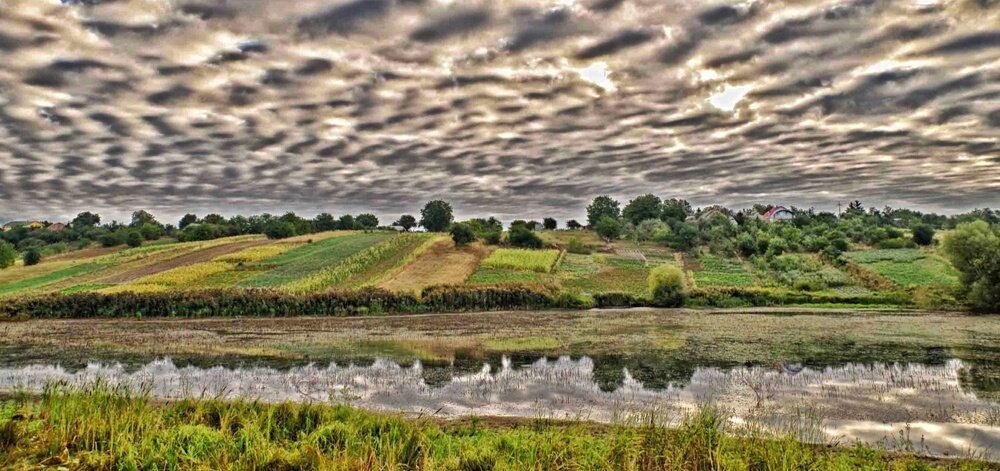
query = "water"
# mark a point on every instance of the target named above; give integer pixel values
(917, 407)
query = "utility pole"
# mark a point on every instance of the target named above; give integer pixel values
(838, 208)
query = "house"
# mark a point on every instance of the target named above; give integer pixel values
(16, 224)
(779, 213)
(56, 227)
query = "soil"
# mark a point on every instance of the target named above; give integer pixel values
(197, 256)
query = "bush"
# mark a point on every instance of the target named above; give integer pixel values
(607, 300)
(7, 255)
(111, 239)
(923, 234)
(279, 230)
(577, 247)
(493, 237)
(974, 249)
(666, 286)
(462, 234)
(134, 239)
(522, 237)
(32, 257)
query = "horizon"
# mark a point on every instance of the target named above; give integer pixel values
(512, 108)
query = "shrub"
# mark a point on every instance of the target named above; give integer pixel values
(666, 286)
(279, 230)
(577, 247)
(7, 255)
(462, 234)
(923, 234)
(111, 239)
(134, 239)
(974, 249)
(615, 299)
(32, 256)
(523, 237)
(487, 298)
(493, 237)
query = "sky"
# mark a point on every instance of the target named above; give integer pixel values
(514, 108)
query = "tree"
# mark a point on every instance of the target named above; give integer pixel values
(521, 236)
(534, 225)
(923, 234)
(407, 222)
(974, 249)
(32, 256)
(217, 219)
(855, 207)
(652, 229)
(642, 208)
(187, 220)
(142, 217)
(111, 239)
(325, 222)
(675, 209)
(436, 216)
(279, 230)
(366, 221)
(573, 225)
(666, 286)
(609, 228)
(85, 220)
(151, 231)
(346, 223)
(602, 206)
(133, 239)
(8, 255)
(462, 234)
(550, 224)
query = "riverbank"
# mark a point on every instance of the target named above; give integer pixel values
(103, 428)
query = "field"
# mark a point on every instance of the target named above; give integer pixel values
(310, 259)
(440, 264)
(603, 273)
(715, 271)
(908, 267)
(540, 261)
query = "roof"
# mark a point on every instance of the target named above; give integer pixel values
(775, 210)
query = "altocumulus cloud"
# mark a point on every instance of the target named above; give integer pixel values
(513, 107)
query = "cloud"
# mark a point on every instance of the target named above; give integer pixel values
(517, 108)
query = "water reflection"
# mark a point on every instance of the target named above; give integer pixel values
(871, 402)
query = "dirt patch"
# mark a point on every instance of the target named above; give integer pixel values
(85, 253)
(191, 258)
(441, 264)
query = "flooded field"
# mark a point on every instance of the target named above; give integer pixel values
(924, 383)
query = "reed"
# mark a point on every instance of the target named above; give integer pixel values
(103, 427)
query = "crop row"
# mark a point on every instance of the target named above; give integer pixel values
(354, 265)
(541, 261)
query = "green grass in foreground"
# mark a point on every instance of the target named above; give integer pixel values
(106, 429)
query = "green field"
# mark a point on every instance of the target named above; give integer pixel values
(41, 281)
(908, 267)
(541, 261)
(310, 259)
(603, 273)
(717, 271)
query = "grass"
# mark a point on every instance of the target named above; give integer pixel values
(310, 259)
(106, 428)
(908, 267)
(717, 271)
(53, 277)
(540, 261)
(494, 276)
(600, 273)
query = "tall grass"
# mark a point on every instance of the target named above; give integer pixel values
(541, 261)
(108, 428)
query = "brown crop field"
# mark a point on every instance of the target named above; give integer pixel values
(441, 264)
